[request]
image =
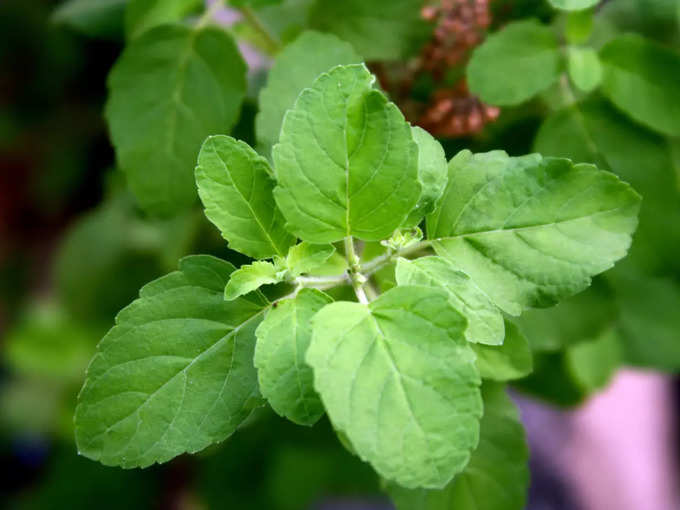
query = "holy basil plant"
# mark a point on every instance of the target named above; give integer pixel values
(411, 378)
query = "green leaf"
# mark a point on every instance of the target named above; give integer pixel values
(595, 132)
(594, 363)
(552, 381)
(286, 380)
(346, 162)
(399, 379)
(379, 29)
(531, 231)
(172, 87)
(432, 174)
(250, 277)
(175, 373)
(578, 26)
(497, 477)
(305, 257)
(142, 15)
(253, 3)
(485, 321)
(642, 78)
(506, 362)
(515, 64)
(95, 18)
(294, 69)
(235, 186)
(584, 67)
(573, 5)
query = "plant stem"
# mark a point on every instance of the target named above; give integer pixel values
(355, 275)
(208, 14)
(378, 263)
(272, 42)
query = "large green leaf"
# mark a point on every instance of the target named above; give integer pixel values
(346, 162)
(515, 63)
(175, 374)
(497, 477)
(399, 379)
(485, 321)
(295, 68)
(172, 87)
(95, 18)
(142, 15)
(282, 341)
(432, 174)
(379, 29)
(235, 186)
(596, 132)
(506, 362)
(530, 231)
(643, 79)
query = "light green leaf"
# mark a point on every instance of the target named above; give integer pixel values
(594, 363)
(175, 373)
(379, 29)
(584, 67)
(294, 69)
(432, 174)
(531, 231)
(578, 26)
(286, 380)
(250, 277)
(573, 5)
(305, 257)
(235, 186)
(515, 64)
(346, 162)
(95, 18)
(595, 132)
(142, 15)
(497, 477)
(506, 362)
(485, 321)
(642, 78)
(399, 379)
(172, 87)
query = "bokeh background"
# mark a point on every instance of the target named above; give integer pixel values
(74, 249)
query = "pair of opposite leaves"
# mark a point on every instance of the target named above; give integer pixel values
(397, 376)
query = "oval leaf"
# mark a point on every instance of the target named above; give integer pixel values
(172, 87)
(399, 379)
(286, 380)
(175, 374)
(346, 162)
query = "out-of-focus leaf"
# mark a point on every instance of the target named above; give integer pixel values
(594, 363)
(552, 381)
(573, 5)
(585, 70)
(95, 18)
(142, 15)
(378, 30)
(511, 360)
(515, 64)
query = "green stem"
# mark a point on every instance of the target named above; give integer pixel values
(271, 41)
(355, 275)
(372, 266)
(209, 13)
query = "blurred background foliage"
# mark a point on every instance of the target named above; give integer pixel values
(75, 248)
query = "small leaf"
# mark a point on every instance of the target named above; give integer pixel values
(585, 69)
(432, 174)
(286, 380)
(399, 379)
(175, 373)
(379, 29)
(142, 15)
(485, 321)
(294, 69)
(171, 88)
(94, 18)
(573, 5)
(249, 278)
(305, 257)
(515, 64)
(594, 363)
(235, 186)
(497, 477)
(506, 362)
(346, 162)
(642, 78)
(531, 231)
